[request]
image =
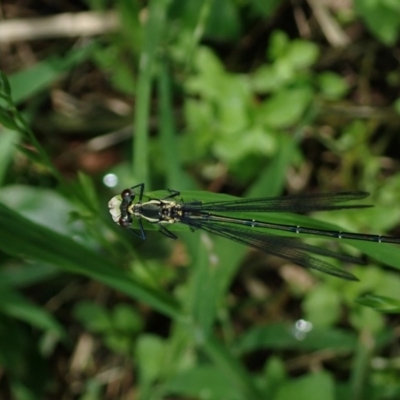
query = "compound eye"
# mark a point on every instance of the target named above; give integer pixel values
(125, 223)
(126, 193)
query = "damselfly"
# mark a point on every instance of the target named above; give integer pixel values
(213, 217)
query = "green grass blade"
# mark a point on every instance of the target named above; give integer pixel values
(8, 140)
(175, 176)
(198, 31)
(203, 294)
(153, 31)
(364, 352)
(382, 304)
(23, 238)
(14, 305)
(27, 83)
(231, 367)
(272, 179)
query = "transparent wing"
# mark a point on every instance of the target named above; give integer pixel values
(294, 204)
(291, 249)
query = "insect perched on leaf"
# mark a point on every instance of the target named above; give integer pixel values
(217, 217)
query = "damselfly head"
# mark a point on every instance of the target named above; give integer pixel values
(128, 193)
(114, 206)
(119, 208)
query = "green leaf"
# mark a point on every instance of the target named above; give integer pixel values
(202, 381)
(31, 154)
(363, 318)
(332, 86)
(27, 274)
(319, 300)
(278, 45)
(268, 78)
(94, 317)
(256, 140)
(382, 18)
(396, 105)
(7, 120)
(8, 142)
(274, 375)
(388, 254)
(175, 177)
(204, 294)
(271, 179)
(285, 108)
(302, 54)
(209, 68)
(85, 194)
(5, 88)
(231, 28)
(150, 353)
(233, 370)
(126, 319)
(153, 35)
(23, 238)
(30, 81)
(283, 336)
(380, 303)
(315, 386)
(13, 304)
(265, 8)
(108, 59)
(38, 204)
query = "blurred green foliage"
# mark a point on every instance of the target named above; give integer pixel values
(199, 320)
(382, 18)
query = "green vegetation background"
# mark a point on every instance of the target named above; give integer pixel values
(250, 98)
